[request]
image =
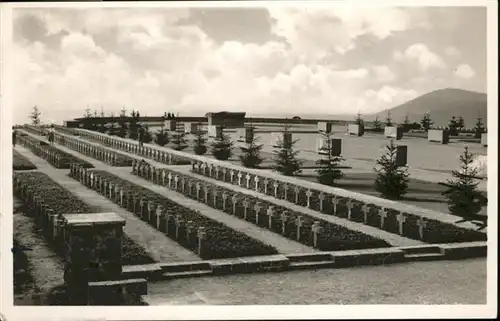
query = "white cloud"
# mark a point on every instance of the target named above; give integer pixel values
(419, 53)
(319, 31)
(384, 74)
(155, 66)
(465, 71)
(452, 51)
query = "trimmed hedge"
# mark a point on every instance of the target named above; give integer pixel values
(62, 201)
(220, 240)
(21, 163)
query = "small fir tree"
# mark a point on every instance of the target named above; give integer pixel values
(250, 154)
(35, 116)
(406, 124)
(329, 172)
(161, 137)
(285, 157)
(388, 120)
(426, 122)
(377, 126)
(200, 143)
(359, 120)
(463, 197)
(122, 125)
(133, 128)
(179, 139)
(392, 179)
(460, 123)
(148, 137)
(453, 126)
(112, 127)
(479, 128)
(222, 147)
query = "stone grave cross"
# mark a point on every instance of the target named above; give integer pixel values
(316, 229)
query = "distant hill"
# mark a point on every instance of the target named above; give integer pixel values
(442, 105)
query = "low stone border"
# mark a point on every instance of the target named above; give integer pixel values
(280, 263)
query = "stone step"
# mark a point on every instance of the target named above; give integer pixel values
(185, 267)
(186, 274)
(308, 265)
(309, 257)
(423, 257)
(421, 249)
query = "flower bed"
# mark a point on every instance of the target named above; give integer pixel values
(332, 238)
(220, 241)
(51, 154)
(435, 231)
(62, 201)
(21, 163)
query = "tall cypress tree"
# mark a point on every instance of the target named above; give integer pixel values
(200, 147)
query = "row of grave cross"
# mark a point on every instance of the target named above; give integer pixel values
(211, 170)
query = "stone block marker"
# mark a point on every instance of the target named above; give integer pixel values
(438, 136)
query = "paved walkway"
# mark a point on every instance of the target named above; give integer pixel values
(47, 268)
(282, 244)
(159, 247)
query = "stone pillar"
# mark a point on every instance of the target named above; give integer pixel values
(84, 233)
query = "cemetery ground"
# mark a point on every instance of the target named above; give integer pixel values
(149, 241)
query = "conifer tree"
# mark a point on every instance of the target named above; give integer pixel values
(200, 147)
(359, 120)
(148, 137)
(461, 123)
(112, 128)
(426, 122)
(329, 172)
(179, 139)
(388, 120)
(222, 147)
(479, 129)
(250, 153)
(463, 197)
(392, 179)
(161, 136)
(406, 124)
(285, 157)
(453, 126)
(35, 116)
(122, 125)
(133, 130)
(377, 125)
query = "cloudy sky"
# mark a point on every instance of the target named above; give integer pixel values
(264, 61)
